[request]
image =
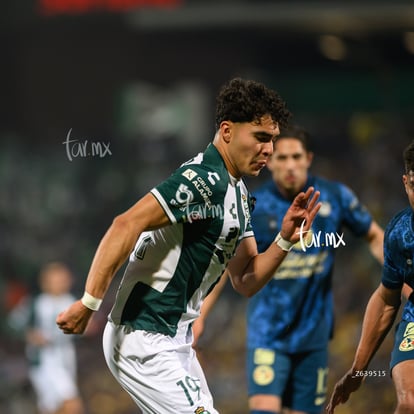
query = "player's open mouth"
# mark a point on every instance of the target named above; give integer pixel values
(261, 164)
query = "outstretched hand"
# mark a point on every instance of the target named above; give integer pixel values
(300, 215)
(343, 389)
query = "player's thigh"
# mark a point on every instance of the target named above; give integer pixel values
(309, 381)
(403, 378)
(268, 372)
(163, 385)
(167, 381)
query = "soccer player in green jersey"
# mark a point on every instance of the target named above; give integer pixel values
(180, 238)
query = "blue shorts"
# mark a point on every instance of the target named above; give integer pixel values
(403, 344)
(300, 379)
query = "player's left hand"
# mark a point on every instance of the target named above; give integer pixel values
(300, 215)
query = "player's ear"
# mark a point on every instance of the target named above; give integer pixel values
(405, 182)
(310, 158)
(226, 130)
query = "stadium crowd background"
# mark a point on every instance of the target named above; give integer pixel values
(101, 100)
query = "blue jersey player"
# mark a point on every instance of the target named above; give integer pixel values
(383, 306)
(290, 320)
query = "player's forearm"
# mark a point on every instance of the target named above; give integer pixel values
(213, 296)
(112, 252)
(259, 271)
(375, 239)
(378, 319)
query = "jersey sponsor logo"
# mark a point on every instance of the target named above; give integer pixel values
(204, 190)
(297, 265)
(184, 195)
(189, 174)
(407, 344)
(263, 375)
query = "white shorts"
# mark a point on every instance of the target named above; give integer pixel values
(54, 379)
(162, 374)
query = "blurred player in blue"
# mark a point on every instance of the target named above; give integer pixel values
(290, 321)
(383, 306)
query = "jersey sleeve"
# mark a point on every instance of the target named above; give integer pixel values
(187, 196)
(391, 278)
(356, 216)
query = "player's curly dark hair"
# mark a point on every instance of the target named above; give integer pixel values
(408, 157)
(243, 100)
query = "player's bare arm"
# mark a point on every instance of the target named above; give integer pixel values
(112, 252)
(375, 239)
(250, 271)
(379, 316)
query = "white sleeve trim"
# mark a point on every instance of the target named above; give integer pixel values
(164, 205)
(247, 234)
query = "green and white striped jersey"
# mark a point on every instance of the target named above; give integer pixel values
(172, 269)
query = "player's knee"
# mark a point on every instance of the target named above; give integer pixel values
(405, 403)
(264, 404)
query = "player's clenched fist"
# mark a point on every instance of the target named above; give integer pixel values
(74, 319)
